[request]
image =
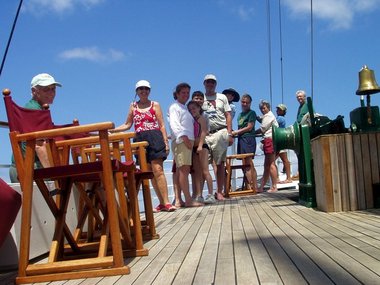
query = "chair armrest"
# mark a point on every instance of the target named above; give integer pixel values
(94, 139)
(46, 134)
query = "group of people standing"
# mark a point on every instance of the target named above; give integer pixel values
(200, 134)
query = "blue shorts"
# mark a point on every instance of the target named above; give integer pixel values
(246, 145)
(156, 148)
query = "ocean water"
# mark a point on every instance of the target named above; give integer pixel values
(237, 175)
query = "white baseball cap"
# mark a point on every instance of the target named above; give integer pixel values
(210, 77)
(142, 83)
(44, 79)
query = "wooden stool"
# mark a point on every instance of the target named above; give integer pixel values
(230, 167)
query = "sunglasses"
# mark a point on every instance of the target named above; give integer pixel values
(143, 88)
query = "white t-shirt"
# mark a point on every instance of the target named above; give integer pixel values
(216, 114)
(267, 121)
(181, 122)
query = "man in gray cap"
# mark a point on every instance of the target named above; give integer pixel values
(220, 136)
(43, 87)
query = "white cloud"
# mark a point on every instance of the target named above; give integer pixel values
(339, 14)
(92, 54)
(245, 13)
(58, 6)
(242, 11)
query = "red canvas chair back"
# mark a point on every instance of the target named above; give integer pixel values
(26, 120)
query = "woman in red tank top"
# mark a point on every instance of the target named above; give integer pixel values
(146, 116)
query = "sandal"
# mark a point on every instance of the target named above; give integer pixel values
(168, 208)
(159, 208)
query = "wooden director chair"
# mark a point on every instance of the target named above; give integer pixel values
(140, 229)
(107, 258)
(142, 176)
(232, 166)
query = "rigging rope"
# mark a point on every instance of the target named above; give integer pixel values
(281, 57)
(10, 37)
(312, 49)
(269, 51)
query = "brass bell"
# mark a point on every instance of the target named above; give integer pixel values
(367, 82)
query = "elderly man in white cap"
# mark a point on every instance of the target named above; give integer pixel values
(217, 108)
(43, 91)
(43, 87)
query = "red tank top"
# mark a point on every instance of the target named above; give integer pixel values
(146, 120)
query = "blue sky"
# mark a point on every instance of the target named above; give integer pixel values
(98, 49)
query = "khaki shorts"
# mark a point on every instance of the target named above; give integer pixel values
(218, 144)
(182, 155)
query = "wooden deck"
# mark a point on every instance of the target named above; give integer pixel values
(260, 239)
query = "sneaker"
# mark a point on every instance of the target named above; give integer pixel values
(199, 199)
(210, 199)
(159, 208)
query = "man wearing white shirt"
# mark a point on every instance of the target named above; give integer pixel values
(182, 136)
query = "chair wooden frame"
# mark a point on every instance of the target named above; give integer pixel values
(230, 166)
(78, 259)
(88, 151)
(56, 268)
(143, 175)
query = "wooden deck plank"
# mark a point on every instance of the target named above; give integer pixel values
(168, 225)
(207, 263)
(186, 270)
(257, 239)
(352, 243)
(285, 235)
(343, 254)
(266, 271)
(162, 249)
(242, 228)
(287, 270)
(225, 269)
(306, 240)
(187, 253)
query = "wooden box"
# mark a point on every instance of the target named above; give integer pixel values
(345, 168)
